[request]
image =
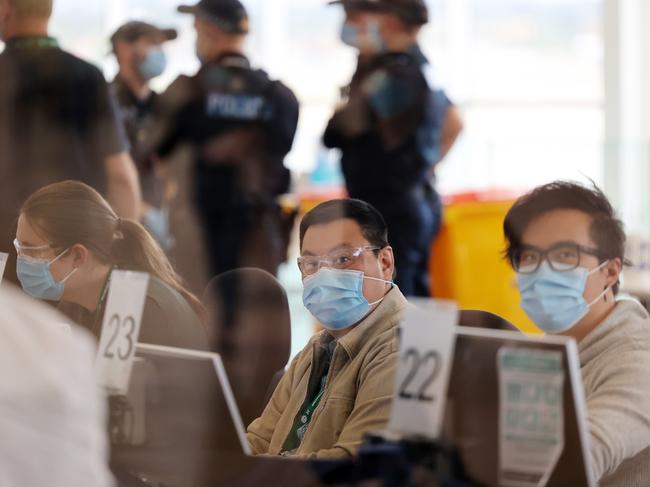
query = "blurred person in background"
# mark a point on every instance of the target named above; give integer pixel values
(69, 241)
(239, 125)
(52, 412)
(138, 48)
(58, 120)
(393, 127)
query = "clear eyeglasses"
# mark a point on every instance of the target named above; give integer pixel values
(338, 259)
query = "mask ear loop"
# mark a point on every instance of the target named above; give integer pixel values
(607, 288)
(57, 258)
(69, 275)
(604, 293)
(379, 280)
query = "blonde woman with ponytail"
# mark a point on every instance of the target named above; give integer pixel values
(69, 240)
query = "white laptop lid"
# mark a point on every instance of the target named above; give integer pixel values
(223, 382)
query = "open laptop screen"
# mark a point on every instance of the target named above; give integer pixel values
(186, 420)
(473, 407)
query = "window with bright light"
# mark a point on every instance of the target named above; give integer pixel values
(528, 75)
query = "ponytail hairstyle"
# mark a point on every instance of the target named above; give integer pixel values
(70, 213)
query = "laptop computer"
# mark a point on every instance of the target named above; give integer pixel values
(473, 409)
(179, 419)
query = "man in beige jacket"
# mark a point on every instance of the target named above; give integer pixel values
(340, 385)
(567, 247)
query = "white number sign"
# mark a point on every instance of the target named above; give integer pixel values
(427, 338)
(121, 329)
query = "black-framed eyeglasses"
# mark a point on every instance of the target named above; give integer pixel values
(563, 257)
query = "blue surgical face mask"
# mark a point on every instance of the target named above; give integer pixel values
(374, 37)
(153, 65)
(554, 300)
(36, 278)
(371, 37)
(350, 35)
(335, 297)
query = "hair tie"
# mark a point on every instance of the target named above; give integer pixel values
(118, 234)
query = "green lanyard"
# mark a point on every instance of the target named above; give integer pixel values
(309, 410)
(301, 423)
(35, 42)
(102, 301)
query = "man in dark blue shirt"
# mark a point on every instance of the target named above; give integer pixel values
(393, 127)
(239, 125)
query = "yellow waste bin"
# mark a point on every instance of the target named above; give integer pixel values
(467, 264)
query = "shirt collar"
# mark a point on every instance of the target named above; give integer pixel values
(626, 319)
(368, 63)
(234, 60)
(327, 343)
(23, 42)
(417, 54)
(122, 91)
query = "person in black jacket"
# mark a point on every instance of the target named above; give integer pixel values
(240, 125)
(393, 127)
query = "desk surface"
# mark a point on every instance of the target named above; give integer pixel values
(183, 468)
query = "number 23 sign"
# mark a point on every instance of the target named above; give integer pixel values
(121, 329)
(427, 337)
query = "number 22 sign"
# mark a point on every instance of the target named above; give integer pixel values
(121, 329)
(427, 337)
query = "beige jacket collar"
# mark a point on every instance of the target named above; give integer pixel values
(374, 323)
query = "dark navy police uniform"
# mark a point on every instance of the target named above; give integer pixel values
(389, 133)
(240, 125)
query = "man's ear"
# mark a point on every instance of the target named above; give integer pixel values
(121, 51)
(613, 269)
(387, 262)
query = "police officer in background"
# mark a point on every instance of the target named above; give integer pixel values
(138, 49)
(393, 127)
(240, 125)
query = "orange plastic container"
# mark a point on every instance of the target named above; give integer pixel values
(312, 197)
(467, 264)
